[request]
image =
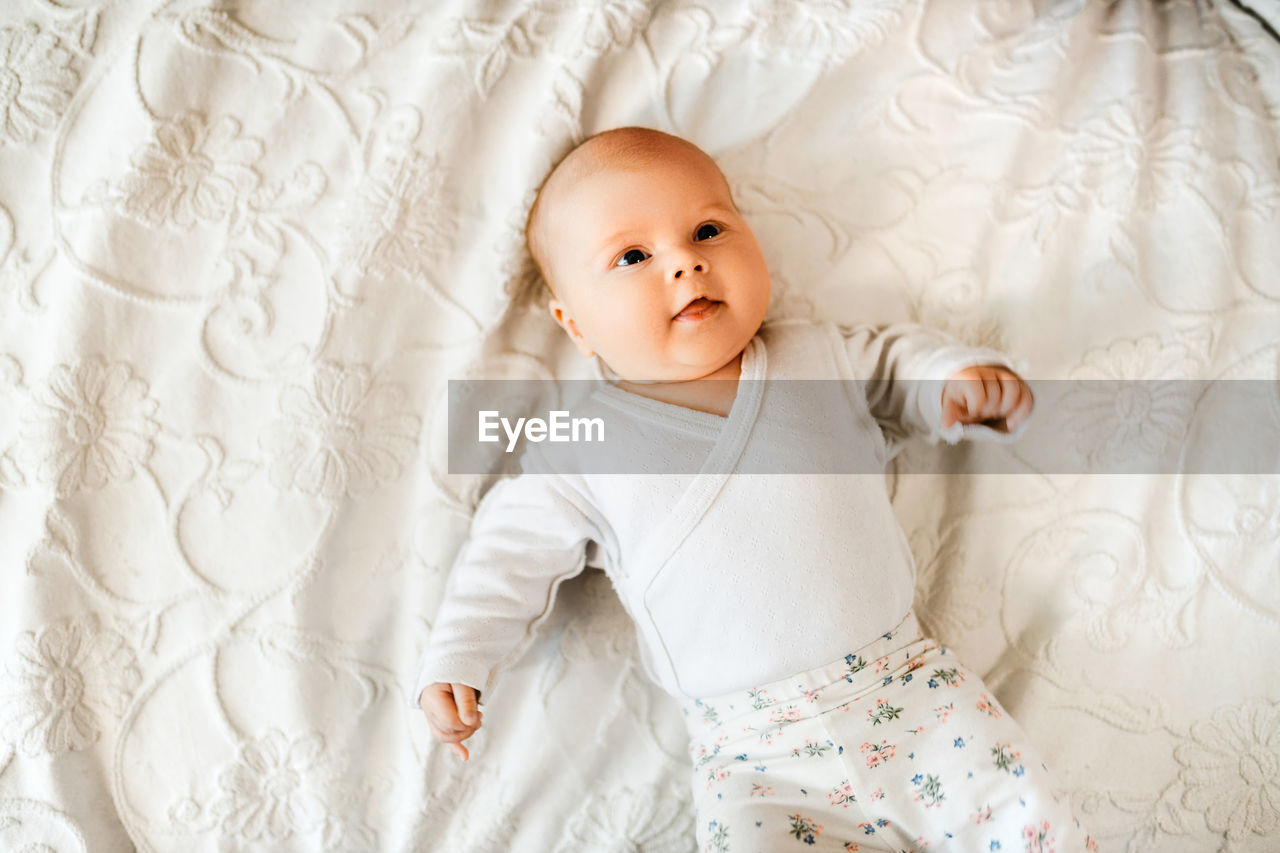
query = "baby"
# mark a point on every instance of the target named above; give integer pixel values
(775, 609)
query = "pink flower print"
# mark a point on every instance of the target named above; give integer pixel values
(1037, 838)
(758, 790)
(882, 665)
(878, 753)
(812, 695)
(877, 794)
(789, 714)
(944, 712)
(842, 794)
(982, 815)
(704, 756)
(812, 748)
(1007, 759)
(882, 712)
(850, 847)
(920, 840)
(985, 704)
(760, 698)
(718, 774)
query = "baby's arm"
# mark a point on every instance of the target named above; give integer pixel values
(906, 367)
(528, 534)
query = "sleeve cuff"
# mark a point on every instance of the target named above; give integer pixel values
(452, 672)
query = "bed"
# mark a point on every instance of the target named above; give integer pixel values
(245, 245)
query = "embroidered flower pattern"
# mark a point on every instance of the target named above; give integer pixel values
(602, 26)
(1136, 405)
(69, 678)
(1127, 157)
(91, 426)
(624, 820)
(344, 433)
(1231, 769)
(267, 793)
(401, 223)
(36, 81)
(194, 170)
(827, 30)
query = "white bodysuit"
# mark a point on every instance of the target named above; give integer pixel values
(715, 567)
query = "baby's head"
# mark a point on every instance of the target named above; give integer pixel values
(631, 227)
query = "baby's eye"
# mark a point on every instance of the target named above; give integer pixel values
(631, 257)
(715, 229)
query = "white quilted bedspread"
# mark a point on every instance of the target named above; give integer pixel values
(243, 245)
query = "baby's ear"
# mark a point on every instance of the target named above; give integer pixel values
(565, 322)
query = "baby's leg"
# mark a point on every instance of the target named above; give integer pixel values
(942, 766)
(772, 780)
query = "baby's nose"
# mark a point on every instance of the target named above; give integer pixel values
(696, 268)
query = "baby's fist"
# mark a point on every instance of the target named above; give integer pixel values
(989, 393)
(452, 713)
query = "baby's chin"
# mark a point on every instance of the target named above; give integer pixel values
(674, 371)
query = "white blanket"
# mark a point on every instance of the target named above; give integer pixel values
(243, 246)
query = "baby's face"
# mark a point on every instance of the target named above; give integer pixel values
(630, 249)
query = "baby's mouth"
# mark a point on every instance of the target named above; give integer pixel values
(699, 309)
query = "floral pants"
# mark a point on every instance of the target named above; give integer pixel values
(894, 747)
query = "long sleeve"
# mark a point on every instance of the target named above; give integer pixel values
(909, 364)
(528, 535)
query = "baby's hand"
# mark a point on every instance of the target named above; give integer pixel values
(452, 713)
(988, 393)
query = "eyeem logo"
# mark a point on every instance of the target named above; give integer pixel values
(559, 427)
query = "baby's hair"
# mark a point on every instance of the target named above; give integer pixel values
(620, 147)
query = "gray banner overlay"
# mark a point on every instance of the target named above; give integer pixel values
(808, 427)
